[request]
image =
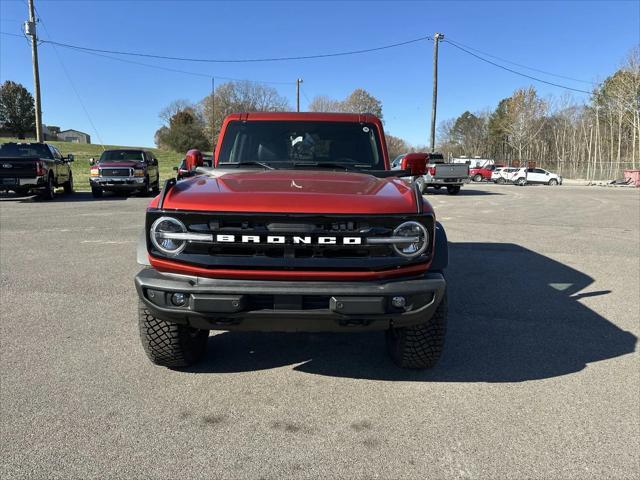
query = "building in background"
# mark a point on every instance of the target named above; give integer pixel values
(74, 136)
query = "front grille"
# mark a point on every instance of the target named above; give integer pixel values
(290, 256)
(116, 172)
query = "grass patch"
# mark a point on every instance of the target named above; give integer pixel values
(167, 159)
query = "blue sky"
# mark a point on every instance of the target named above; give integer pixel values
(586, 40)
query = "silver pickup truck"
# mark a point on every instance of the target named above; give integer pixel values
(440, 174)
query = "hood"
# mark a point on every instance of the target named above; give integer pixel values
(122, 164)
(292, 191)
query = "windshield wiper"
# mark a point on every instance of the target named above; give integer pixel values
(240, 164)
(325, 165)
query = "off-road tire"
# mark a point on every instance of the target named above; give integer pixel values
(68, 185)
(170, 344)
(49, 192)
(419, 346)
(453, 190)
(553, 182)
(477, 178)
(96, 192)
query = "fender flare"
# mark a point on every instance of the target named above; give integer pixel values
(441, 250)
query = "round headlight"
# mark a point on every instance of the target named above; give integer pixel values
(161, 235)
(417, 241)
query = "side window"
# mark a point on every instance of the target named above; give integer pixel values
(539, 170)
(56, 153)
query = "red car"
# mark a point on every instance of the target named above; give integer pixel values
(300, 226)
(479, 174)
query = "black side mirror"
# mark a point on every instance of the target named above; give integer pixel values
(70, 157)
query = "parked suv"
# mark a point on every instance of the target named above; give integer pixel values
(40, 167)
(503, 174)
(524, 176)
(129, 170)
(300, 227)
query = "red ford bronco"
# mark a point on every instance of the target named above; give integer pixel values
(300, 226)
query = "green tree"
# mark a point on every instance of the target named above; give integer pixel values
(469, 134)
(17, 112)
(184, 132)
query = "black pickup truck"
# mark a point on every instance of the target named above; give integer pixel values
(26, 167)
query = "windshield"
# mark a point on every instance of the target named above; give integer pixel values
(290, 144)
(122, 155)
(24, 150)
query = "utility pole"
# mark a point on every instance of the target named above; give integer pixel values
(298, 82)
(213, 113)
(434, 102)
(30, 29)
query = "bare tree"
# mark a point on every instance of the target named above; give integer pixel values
(396, 146)
(242, 96)
(525, 118)
(322, 103)
(358, 101)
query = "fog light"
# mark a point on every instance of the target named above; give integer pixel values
(399, 302)
(178, 299)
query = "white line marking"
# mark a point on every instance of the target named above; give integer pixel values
(110, 242)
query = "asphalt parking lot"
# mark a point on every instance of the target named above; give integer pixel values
(539, 378)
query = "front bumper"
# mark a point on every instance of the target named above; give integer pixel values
(220, 304)
(113, 183)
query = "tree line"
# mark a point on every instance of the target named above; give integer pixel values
(197, 125)
(596, 139)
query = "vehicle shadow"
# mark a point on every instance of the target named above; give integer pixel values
(59, 198)
(464, 192)
(514, 316)
(88, 197)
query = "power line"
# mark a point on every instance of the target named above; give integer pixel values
(515, 71)
(168, 69)
(243, 60)
(521, 65)
(176, 70)
(73, 86)
(305, 96)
